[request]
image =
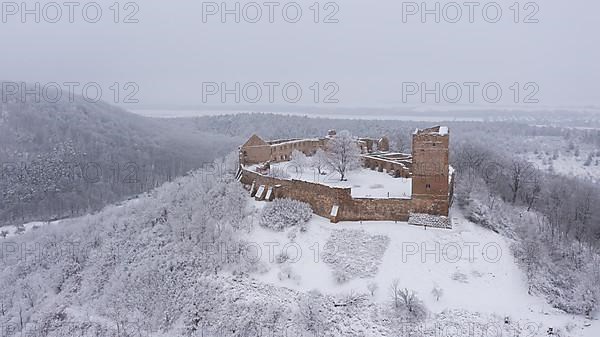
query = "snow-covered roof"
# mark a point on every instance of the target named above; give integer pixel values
(439, 130)
(393, 161)
(288, 141)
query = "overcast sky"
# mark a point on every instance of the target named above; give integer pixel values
(369, 53)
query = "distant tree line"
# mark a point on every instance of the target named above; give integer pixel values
(553, 220)
(65, 159)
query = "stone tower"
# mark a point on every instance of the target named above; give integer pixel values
(430, 171)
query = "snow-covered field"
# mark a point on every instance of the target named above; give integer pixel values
(472, 266)
(365, 183)
(567, 165)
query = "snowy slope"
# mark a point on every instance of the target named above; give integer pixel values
(569, 166)
(473, 266)
(11, 231)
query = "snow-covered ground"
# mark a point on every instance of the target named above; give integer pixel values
(473, 267)
(567, 165)
(10, 231)
(365, 183)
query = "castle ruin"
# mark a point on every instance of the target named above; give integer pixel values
(427, 169)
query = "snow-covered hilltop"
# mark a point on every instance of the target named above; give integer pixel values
(199, 255)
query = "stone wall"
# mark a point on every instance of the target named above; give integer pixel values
(283, 152)
(255, 154)
(397, 169)
(322, 198)
(367, 209)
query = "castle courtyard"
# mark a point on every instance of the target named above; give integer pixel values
(364, 182)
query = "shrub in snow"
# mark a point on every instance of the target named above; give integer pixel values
(341, 276)
(286, 273)
(292, 234)
(352, 299)
(282, 257)
(372, 287)
(460, 277)
(277, 172)
(354, 253)
(412, 305)
(480, 214)
(283, 213)
(588, 161)
(406, 302)
(311, 313)
(20, 229)
(437, 293)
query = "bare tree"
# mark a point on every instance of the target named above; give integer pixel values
(20, 317)
(409, 299)
(319, 161)
(350, 299)
(533, 191)
(401, 144)
(311, 313)
(372, 287)
(529, 256)
(29, 294)
(395, 292)
(298, 160)
(469, 159)
(437, 292)
(343, 153)
(520, 173)
(583, 211)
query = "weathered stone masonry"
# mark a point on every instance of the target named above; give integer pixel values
(429, 170)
